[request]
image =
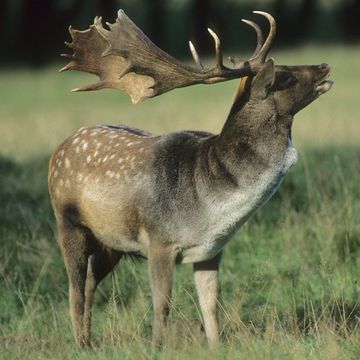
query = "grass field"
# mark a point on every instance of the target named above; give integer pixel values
(289, 281)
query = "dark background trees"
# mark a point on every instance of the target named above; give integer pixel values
(32, 31)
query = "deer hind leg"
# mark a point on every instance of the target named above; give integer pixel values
(206, 281)
(100, 264)
(161, 261)
(75, 250)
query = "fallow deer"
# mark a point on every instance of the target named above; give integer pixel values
(174, 198)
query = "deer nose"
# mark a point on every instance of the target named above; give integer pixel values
(324, 66)
(322, 71)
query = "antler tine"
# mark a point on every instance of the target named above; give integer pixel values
(195, 55)
(124, 58)
(261, 55)
(219, 59)
(259, 35)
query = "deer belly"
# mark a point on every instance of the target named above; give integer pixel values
(202, 252)
(209, 241)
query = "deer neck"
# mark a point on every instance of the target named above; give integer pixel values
(255, 139)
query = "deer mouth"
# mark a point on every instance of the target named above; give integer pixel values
(324, 85)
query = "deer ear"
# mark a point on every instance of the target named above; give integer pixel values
(263, 80)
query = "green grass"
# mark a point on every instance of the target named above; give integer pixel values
(289, 281)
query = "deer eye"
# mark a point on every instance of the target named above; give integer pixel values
(284, 80)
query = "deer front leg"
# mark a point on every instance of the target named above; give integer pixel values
(206, 281)
(161, 261)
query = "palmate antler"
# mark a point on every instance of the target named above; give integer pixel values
(124, 58)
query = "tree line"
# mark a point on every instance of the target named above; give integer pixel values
(33, 31)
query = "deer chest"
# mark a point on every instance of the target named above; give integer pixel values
(223, 214)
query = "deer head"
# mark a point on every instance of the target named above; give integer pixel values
(295, 87)
(274, 95)
(125, 59)
(175, 198)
